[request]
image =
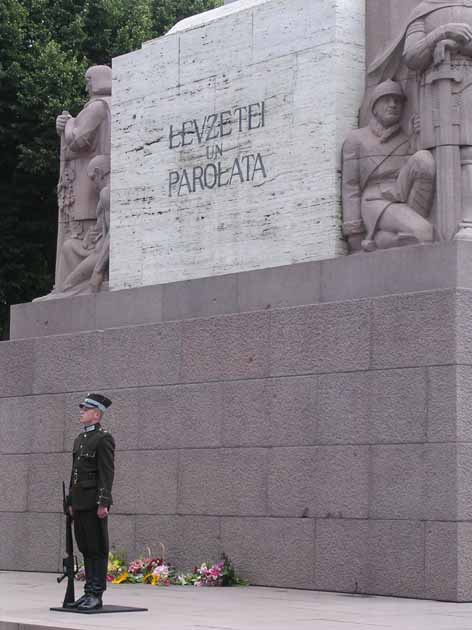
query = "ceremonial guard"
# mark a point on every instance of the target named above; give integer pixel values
(90, 497)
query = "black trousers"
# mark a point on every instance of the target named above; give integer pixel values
(91, 534)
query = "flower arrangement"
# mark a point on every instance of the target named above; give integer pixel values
(159, 572)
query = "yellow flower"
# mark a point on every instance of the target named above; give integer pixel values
(120, 579)
(147, 579)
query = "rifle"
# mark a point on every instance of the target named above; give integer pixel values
(69, 563)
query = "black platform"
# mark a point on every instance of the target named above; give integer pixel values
(110, 608)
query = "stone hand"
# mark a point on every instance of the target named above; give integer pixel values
(415, 124)
(442, 49)
(61, 121)
(460, 33)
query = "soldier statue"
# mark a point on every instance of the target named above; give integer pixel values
(387, 188)
(90, 498)
(83, 138)
(436, 43)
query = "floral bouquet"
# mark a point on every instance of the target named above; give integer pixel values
(157, 571)
(220, 574)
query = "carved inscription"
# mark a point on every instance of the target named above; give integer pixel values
(211, 131)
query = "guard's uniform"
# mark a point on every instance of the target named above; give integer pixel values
(90, 487)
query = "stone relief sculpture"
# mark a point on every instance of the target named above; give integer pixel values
(86, 260)
(83, 138)
(435, 47)
(387, 187)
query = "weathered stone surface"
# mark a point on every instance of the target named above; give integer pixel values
(293, 410)
(344, 408)
(319, 482)
(464, 558)
(342, 549)
(462, 326)
(201, 297)
(65, 363)
(180, 416)
(47, 473)
(122, 533)
(442, 484)
(223, 482)
(145, 482)
(186, 539)
(14, 473)
(227, 347)
(16, 368)
(397, 482)
(424, 482)
(53, 317)
(259, 547)
(396, 558)
(142, 355)
(385, 272)
(190, 228)
(279, 287)
(24, 547)
(398, 406)
(246, 413)
(114, 309)
(343, 278)
(464, 481)
(413, 330)
(122, 419)
(442, 557)
(32, 424)
(320, 338)
(443, 407)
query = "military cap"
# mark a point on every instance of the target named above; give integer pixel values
(95, 401)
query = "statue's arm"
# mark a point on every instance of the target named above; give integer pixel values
(80, 132)
(351, 188)
(419, 49)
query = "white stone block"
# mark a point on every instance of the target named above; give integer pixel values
(226, 140)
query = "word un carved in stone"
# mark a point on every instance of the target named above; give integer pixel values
(227, 135)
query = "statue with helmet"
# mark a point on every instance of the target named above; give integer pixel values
(387, 186)
(432, 55)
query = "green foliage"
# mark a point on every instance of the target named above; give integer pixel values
(45, 48)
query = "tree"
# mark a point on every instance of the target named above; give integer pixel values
(45, 48)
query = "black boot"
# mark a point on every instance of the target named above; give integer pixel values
(93, 601)
(87, 586)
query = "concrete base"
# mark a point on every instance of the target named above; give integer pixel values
(332, 438)
(417, 268)
(24, 600)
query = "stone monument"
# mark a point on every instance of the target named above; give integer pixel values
(83, 138)
(197, 136)
(274, 398)
(387, 189)
(435, 45)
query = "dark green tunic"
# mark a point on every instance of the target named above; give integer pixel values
(90, 486)
(92, 470)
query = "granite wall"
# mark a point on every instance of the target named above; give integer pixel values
(322, 445)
